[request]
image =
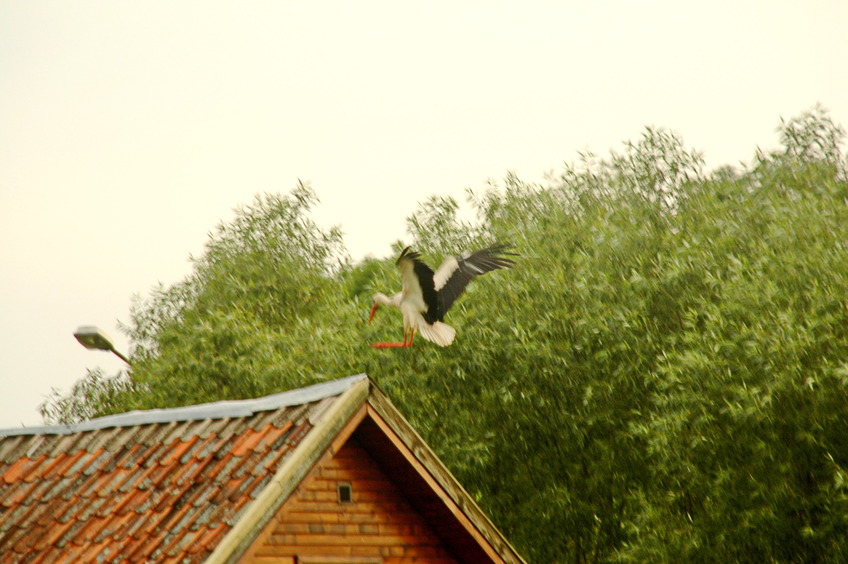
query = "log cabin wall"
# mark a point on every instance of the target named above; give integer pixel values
(378, 525)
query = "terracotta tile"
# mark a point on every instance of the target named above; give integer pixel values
(206, 448)
(235, 510)
(177, 543)
(210, 537)
(92, 552)
(113, 527)
(46, 489)
(188, 471)
(128, 502)
(45, 540)
(89, 530)
(79, 466)
(187, 523)
(87, 509)
(152, 455)
(67, 443)
(219, 514)
(70, 533)
(139, 525)
(267, 435)
(119, 547)
(245, 464)
(70, 554)
(245, 487)
(17, 471)
(198, 448)
(144, 549)
(259, 484)
(245, 443)
(150, 477)
(48, 511)
(176, 451)
(27, 539)
(56, 466)
(164, 500)
(100, 459)
(111, 439)
(49, 556)
(22, 515)
(143, 526)
(16, 493)
(69, 511)
(10, 449)
(55, 532)
(268, 463)
(105, 484)
(274, 437)
(298, 433)
(127, 456)
(223, 466)
(84, 484)
(200, 518)
(177, 513)
(35, 471)
(97, 507)
(157, 433)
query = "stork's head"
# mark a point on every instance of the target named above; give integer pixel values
(382, 299)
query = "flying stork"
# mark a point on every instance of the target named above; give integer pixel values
(427, 296)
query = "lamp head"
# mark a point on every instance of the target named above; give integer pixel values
(94, 338)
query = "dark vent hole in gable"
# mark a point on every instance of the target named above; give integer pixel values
(345, 493)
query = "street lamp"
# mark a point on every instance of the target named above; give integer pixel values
(94, 338)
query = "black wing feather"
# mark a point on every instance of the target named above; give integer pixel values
(428, 288)
(479, 262)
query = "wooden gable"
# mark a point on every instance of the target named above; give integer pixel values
(397, 513)
(405, 505)
(378, 524)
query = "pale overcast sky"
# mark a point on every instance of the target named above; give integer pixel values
(129, 130)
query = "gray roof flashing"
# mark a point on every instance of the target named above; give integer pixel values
(215, 410)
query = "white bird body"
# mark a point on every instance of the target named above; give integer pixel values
(426, 296)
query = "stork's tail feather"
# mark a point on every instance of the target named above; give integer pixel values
(439, 333)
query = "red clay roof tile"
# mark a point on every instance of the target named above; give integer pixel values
(17, 492)
(177, 449)
(245, 443)
(18, 471)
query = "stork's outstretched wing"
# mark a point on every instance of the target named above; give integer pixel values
(455, 273)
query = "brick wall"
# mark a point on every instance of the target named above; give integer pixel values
(378, 525)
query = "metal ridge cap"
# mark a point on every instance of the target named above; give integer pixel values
(213, 410)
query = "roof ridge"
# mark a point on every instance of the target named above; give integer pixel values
(213, 410)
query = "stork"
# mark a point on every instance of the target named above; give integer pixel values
(426, 296)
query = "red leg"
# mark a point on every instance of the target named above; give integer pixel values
(389, 345)
(407, 342)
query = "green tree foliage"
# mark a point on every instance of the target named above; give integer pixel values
(662, 378)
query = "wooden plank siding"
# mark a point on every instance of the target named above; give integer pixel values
(379, 525)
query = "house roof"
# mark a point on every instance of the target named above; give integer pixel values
(198, 483)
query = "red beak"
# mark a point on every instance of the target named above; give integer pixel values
(373, 311)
